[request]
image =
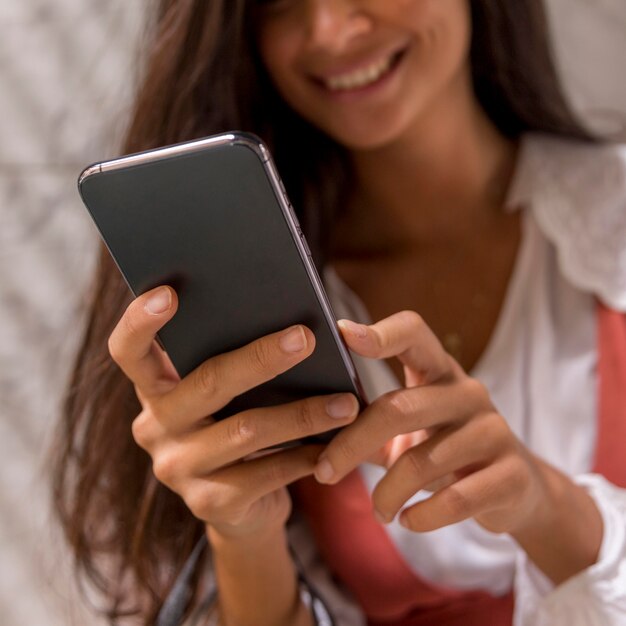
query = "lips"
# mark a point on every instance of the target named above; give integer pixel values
(363, 76)
(359, 78)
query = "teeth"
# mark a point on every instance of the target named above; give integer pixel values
(359, 78)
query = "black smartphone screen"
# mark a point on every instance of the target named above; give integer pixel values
(210, 219)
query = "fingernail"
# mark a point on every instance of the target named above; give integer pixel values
(380, 518)
(159, 302)
(342, 406)
(293, 340)
(324, 471)
(358, 330)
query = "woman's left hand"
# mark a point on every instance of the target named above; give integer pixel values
(441, 433)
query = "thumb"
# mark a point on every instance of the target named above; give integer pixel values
(406, 336)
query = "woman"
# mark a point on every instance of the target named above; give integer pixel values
(402, 130)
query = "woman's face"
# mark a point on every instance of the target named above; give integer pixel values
(365, 71)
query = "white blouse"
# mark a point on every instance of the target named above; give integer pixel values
(540, 368)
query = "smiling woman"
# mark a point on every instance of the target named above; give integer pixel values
(446, 189)
(407, 58)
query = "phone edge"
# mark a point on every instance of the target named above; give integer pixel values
(255, 144)
(186, 147)
(316, 281)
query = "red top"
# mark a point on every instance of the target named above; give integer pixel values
(360, 553)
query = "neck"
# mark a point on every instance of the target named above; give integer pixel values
(447, 174)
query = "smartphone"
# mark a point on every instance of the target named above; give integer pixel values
(211, 219)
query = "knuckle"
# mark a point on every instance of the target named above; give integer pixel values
(115, 348)
(278, 472)
(419, 462)
(129, 322)
(499, 430)
(414, 324)
(166, 467)
(305, 417)
(477, 391)
(456, 503)
(413, 319)
(484, 427)
(206, 379)
(345, 449)
(201, 501)
(243, 430)
(492, 429)
(383, 501)
(517, 476)
(260, 356)
(141, 429)
(449, 367)
(397, 406)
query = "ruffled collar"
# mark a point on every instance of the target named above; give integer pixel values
(577, 193)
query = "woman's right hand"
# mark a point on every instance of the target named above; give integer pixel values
(211, 464)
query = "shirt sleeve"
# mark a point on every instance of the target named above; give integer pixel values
(595, 596)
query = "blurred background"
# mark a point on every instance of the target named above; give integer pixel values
(67, 71)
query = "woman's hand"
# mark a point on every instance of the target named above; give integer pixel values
(443, 433)
(214, 466)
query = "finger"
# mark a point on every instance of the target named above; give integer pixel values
(389, 453)
(485, 490)
(395, 413)
(212, 385)
(406, 336)
(460, 450)
(223, 443)
(248, 432)
(132, 343)
(231, 491)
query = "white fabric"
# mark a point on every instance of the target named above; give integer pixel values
(596, 596)
(540, 370)
(578, 195)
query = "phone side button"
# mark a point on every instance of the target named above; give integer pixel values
(304, 243)
(294, 216)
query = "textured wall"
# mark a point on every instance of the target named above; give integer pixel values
(65, 72)
(65, 69)
(591, 48)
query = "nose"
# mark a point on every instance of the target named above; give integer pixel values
(334, 24)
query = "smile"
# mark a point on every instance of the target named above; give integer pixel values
(362, 77)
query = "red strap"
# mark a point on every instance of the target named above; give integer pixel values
(610, 457)
(469, 610)
(361, 554)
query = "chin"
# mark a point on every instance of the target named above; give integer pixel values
(378, 126)
(362, 142)
(368, 136)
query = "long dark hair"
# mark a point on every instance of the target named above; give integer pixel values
(130, 535)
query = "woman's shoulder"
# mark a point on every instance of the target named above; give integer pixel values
(577, 193)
